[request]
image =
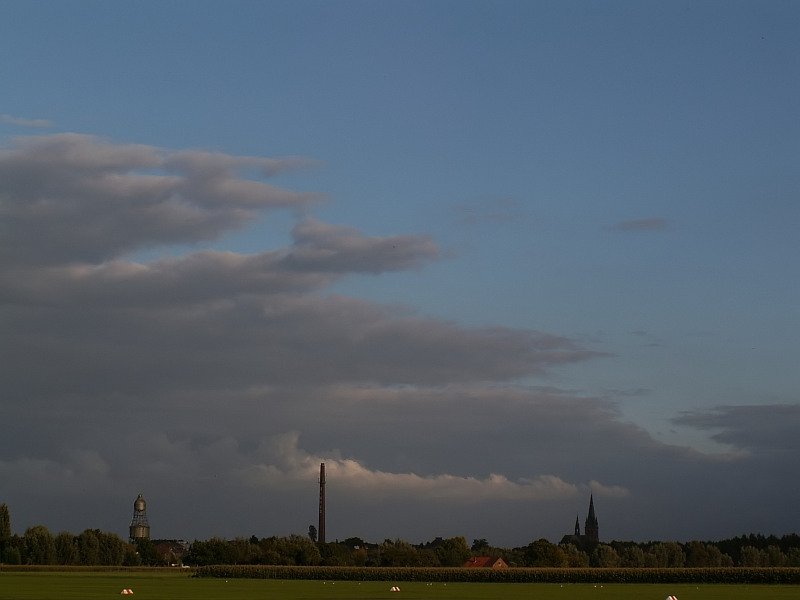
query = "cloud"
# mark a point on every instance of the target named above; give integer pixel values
(609, 491)
(72, 473)
(313, 262)
(525, 459)
(93, 338)
(298, 466)
(647, 224)
(763, 429)
(180, 377)
(23, 122)
(75, 207)
(210, 166)
(76, 198)
(257, 340)
(323, 247)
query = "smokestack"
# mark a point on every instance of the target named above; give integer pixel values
(321, 531)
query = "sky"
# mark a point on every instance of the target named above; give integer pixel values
(483, 259)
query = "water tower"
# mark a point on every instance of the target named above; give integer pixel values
(140, 528)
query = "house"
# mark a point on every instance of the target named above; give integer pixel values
(486, 562)
(171, 552)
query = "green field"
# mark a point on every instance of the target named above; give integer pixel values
(179, 586)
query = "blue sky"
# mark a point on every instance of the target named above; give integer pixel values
(597, 209)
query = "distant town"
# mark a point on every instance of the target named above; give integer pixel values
(578, 548)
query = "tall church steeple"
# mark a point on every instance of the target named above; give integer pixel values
(590, 528)
(591, 532)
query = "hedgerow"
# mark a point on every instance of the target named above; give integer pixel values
(88, 569)
(731, 575)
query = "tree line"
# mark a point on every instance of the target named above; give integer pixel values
(744, 551)
(297, 550)
(38, 546)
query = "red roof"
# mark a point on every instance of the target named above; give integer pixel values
(487, 562)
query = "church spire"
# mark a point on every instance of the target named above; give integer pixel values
(590, 528)
(577, 526)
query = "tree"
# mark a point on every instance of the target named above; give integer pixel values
(697, 555)
(398, 553)
(360, 556)
(5, 525)
(131, 558)
(426, 557)
(302, 550)
(574, 556)
(111, 548)
(604, 556)
(245, 552)
(146, 550)
(723, 560)
(632, 556)
(66, 549)
(312, 533)
(543, 553)
(12, 551)
(200, 554)
(453, 552)
(793, 557)
(40, 548)
(88, 547)
(480, 547)
(215, 551)
(751, 556)
(336, 555)
(665, 554)
(774, 556)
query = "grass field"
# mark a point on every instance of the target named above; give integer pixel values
(172, 586)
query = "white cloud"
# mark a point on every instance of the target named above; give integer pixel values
(609, 491)
(294, 467)
(23, 122)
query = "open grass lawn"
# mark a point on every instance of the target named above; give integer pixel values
(172, 586)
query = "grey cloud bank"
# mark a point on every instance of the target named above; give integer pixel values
(215, 382)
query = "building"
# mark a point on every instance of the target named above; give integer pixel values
(591, 531)
(486, 562)
(171, 552)
(139, 528)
